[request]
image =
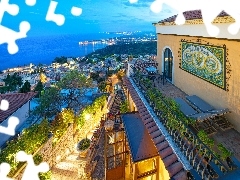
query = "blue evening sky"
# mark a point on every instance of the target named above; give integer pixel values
(97, 16)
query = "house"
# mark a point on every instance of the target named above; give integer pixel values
(193, 63)
(19, 106)
(199, 64)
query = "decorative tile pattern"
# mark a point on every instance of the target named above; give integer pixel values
(205, 61)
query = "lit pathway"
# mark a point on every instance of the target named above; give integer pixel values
(67, 169)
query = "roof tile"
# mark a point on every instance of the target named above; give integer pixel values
(174, 169)
(16, 100)
(191, 15)
(166, 152)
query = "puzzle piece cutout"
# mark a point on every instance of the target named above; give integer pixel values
(59, 19)
(4, 170)
(30, 2)
(12, 9)
(133, 1)
(8, 35)
(4, 105)
(10, 129)
(12, 121)
(31, 171)
(210, 10)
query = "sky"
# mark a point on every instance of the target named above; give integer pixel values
(97, 16)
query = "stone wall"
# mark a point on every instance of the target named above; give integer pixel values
(52, 154)
(191, 84)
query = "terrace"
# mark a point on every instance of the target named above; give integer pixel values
(203, 160)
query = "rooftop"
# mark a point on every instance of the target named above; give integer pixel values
(139, 140)
(228, 136)
(16, 101)
(191, 15)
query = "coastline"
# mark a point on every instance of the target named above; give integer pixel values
(43, 50)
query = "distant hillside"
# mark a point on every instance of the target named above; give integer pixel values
(140, 48)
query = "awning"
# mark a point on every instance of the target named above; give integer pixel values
(140, 143)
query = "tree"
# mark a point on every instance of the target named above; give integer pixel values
(76, 85)
(69, 92)
(94, 76)
(39, 87)
(102, 86)
(119, 59)
(13, 81)
(25, 88)
(49, 104)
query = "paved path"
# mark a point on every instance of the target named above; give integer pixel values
(67, 169)
(230, 138)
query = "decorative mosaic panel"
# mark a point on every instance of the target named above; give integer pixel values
(205, 61)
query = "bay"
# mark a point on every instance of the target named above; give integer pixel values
(44, 49)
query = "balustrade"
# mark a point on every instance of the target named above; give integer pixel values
(191, 146)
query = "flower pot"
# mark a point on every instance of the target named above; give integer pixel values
(83, 153)
(83, 147)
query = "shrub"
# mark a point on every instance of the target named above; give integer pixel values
(83, 144)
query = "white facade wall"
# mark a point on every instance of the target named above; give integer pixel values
(21, 114)
(196, 30)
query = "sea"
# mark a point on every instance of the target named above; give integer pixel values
(44, 49)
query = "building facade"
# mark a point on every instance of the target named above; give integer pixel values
(19, 106)
(202, 65)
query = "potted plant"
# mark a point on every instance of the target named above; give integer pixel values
(83, 147)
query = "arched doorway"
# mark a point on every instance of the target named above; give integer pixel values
(168, 63)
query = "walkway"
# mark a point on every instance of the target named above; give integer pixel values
(67, 169)
(230, 138)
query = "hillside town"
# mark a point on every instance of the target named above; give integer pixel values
(162, 110)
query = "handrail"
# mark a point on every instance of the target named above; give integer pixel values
(196, 139)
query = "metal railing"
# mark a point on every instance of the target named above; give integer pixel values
(201, 157)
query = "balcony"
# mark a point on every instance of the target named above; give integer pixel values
(198, 158)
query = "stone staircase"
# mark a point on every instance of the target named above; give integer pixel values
(67, 169)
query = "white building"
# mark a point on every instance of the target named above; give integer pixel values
(19, 106)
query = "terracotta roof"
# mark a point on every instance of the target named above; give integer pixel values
(191, 15)
(173, 166)
(16, 100)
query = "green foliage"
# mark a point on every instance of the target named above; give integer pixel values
(224, 151)
(38, 88)
(45, 176)
(50, 103)
(94, 76)
(77, 84)
(12, 81)
(90, 110)
(136, 49)
(25, 88)
(118, 59)
(42, 176)
(124, 107)
(60, 124)
(4, 89)
(147, 82)
(205, 139)
(60, 60)
(102, 86)
(83, 144)
(29, 141)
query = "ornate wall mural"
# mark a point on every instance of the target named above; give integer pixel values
(205, 61)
